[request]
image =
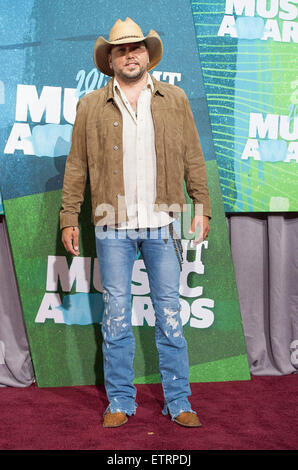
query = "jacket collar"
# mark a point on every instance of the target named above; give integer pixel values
(158, 87)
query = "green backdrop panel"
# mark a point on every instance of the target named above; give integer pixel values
(65, 335)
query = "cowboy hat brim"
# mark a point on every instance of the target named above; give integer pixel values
(103, 47)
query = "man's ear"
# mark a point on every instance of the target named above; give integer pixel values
(110, 61)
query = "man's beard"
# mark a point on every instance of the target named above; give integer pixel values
(134, 76)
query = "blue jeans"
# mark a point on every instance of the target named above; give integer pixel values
(116, 252)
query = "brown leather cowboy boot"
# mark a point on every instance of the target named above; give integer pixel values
(114, 420)
(188, 419)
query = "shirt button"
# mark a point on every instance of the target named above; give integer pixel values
(116, 124)
(115, 147)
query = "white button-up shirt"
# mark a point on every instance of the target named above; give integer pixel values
(139, 161)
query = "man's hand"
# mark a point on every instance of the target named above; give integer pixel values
(201, 221)
(70, 240)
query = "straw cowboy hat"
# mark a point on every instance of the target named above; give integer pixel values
(124, 32)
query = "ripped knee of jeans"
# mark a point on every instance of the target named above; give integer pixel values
(173, 323)
(115, 316)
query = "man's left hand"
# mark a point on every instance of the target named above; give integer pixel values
(201, 221)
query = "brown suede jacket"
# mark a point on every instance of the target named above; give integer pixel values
(97, 148)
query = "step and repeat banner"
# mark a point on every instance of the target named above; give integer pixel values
(47, 66)
(248, 53)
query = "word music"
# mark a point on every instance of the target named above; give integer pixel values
(262, 19)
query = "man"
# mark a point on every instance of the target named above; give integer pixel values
(137, 139)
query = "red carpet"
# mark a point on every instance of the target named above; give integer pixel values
(260, 414)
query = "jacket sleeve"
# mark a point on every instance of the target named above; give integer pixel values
(194, 164)
(76, 170)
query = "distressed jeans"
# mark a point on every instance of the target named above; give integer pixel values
(116, 252)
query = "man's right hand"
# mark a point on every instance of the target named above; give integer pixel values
(70, 240)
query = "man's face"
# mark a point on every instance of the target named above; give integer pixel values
(129, 61)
